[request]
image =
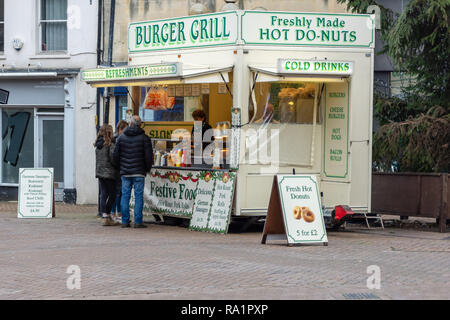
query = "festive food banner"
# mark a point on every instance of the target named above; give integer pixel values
(170, 191)
(206, 197)
(295, 213)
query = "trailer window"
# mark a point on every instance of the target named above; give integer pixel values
(284, 102)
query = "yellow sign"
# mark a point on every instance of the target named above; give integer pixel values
(164, 129)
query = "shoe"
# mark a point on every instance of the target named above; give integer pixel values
(139, 225)
(107, 221)
(115, 222)
(126, 225)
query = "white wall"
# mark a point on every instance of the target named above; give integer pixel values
(21, 21)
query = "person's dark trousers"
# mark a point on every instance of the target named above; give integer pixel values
(117, 206)
(99, 214)
(107, 194)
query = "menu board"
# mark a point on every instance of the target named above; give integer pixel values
(203, 203)
(221, 88)
(213, 203)
(295, 212)
(221, 204)
(179, 90)
(36, 196)
(205, 88)
(336, 124)
(195, 90)
(187, 90)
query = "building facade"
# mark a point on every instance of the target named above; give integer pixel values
(128, 11)
(48, 113)
(49, 116)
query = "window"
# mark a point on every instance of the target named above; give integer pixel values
(2, 25)
(53, 25)
(283, 102)
(17, 148)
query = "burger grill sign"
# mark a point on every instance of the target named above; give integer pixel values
(252, 28)
(185, 32)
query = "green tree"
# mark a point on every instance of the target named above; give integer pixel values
(415, 131)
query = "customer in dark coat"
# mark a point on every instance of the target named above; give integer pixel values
(106, 172)
(133, 154)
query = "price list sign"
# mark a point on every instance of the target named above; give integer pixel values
(36, 195)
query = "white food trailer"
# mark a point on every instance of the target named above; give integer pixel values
(292, 90)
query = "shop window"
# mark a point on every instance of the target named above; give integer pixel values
(166, 111)
(122, 108)
(53, 25)
(17, 148)
(2, 25)
(283, 102)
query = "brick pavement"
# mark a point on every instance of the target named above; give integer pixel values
(164, 262)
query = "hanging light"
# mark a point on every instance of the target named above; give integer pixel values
(230, 5)
(197, 8)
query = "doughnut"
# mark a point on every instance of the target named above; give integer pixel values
(297, 212)
(308, 215)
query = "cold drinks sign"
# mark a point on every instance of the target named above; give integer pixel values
(256, 27)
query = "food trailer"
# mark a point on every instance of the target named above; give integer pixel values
(283, 91)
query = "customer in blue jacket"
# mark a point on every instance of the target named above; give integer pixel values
(133, 154)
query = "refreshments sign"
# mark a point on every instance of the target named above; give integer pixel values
(297, 66)
(132, 72)
(318, 29)
(185, 32)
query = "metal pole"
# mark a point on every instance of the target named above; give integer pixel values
(99, 60)
(110, 52)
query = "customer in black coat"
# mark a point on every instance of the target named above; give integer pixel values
(133, 154)
(105, 172)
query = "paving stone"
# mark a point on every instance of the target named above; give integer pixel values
(170, 262)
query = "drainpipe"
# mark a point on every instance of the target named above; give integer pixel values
(110, 52)
(99, 59)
